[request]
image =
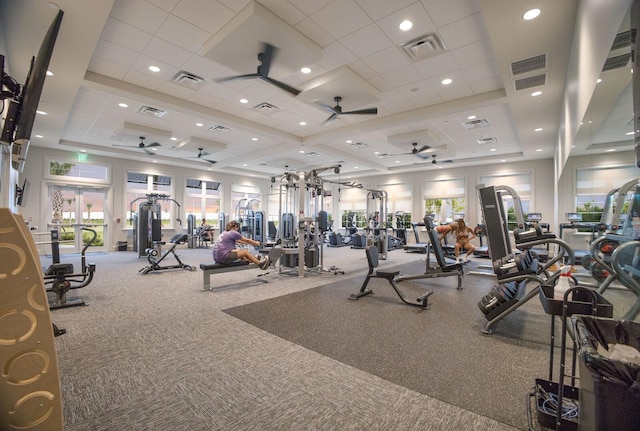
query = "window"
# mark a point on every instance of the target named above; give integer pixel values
(594, 184)
(400, 202)
(443, 198)
(139, 185)
(353, 207)
(77, 172)
(202, 198)
(521, 183)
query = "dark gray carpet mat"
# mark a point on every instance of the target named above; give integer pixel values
(440, 352)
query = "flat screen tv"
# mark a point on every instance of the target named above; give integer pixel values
(22, 110)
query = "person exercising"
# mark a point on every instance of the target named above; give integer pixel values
(464, 234)
(225, 251)
(205, 230)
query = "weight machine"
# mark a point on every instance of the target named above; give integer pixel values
(514, 271)
(147, 222)
(302, 193)
(60, 278)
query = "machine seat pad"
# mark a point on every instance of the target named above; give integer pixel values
(387, 273)
(214, 266)
(59, 268)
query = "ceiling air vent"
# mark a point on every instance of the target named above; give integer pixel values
(219, 129)
(483, 141)
(266, 108)
(423, 47)
(532, 81)
(622, 40)
(148, 110)
(616, 62)
(476, 124)
(529, 64)
(187, 79)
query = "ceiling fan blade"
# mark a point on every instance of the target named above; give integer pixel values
(367, 111)
(327, 108)
(238, 77)
(281, 85)
(331, 118)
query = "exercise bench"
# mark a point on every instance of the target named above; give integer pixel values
(444, 268)
(389, 275)
(208, 269)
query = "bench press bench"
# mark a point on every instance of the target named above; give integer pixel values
(208, 269)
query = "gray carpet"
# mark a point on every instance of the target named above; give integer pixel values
(439, 352)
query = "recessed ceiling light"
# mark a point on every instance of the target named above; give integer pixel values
(305, 70)
(471, 117)
(41, 112)
(154, 68)
(303, 123)
(531, 14)
(405, 25)
(536, 93)
(123, 105)
(539, 129)
(254, 139)
(199, 124)
(244, 101)
(447, 81)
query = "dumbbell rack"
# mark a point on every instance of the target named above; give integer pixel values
(535, 272)
(577, 300)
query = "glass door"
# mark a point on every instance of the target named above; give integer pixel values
(73, 211)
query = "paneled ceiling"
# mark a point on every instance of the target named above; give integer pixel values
(354, 49)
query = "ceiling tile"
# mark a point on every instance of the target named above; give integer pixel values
(123, 34)
(386, 60)
(446, 11)
(464, 32)
(422, 24)
(366, 41)
(115, 53)
(166, 52)
(377, 9)
(208, 15)
(183, 34)
(139, 14)
(341, 18)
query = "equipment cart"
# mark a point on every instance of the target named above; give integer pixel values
(549, 394)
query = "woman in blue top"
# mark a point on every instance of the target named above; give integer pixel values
(225, 251)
